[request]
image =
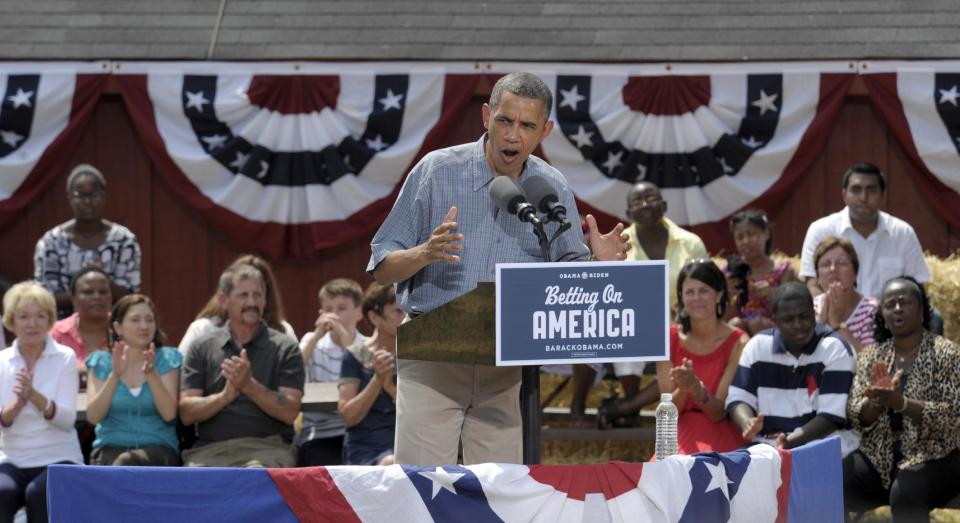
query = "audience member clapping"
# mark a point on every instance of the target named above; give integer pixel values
(704, 352)
(38, 394)
(88, 239)
(904, 402)
(132, 393)
(754, 239)
(792, 382)
(213, 315)
(840, 306)
(320, 441)
(368, 383)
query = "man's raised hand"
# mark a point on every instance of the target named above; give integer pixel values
(441, 241)
(612, 246)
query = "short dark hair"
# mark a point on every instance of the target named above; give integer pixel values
(880, 331)
(83, 272)
(527, 85)
(377, 297)
(758, 218)
(704, 270)
(865, 168)
(341, 287)
(123, 306)
(791, 291)
(828, 244)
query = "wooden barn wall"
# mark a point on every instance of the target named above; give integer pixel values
(183, 256)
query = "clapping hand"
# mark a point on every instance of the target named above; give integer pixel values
(119, 358)
(383, 365)
(883, 388)
(683, 377)
(754, 428)
(149, 358)
(236, 370)
(23, 388)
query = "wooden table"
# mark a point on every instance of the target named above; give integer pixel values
(317, 397)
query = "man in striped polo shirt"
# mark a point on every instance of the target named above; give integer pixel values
(792, 381)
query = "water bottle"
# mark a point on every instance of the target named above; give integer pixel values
(667, 415)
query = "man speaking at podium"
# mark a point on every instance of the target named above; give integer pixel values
(445, 234)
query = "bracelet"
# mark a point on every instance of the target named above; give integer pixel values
(706, 396)
(2, 424)
(903, 408)
(52, 407)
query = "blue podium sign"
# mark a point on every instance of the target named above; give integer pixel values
(577, 312)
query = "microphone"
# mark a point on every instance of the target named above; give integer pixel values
(508, 196)
(542, 194)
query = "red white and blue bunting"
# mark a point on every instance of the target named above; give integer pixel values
(288, 159)
(44, 110)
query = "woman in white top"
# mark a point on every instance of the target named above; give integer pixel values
(845, 310)
(38, 395)
(213, 315)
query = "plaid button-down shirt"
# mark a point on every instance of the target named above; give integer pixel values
(460, 177)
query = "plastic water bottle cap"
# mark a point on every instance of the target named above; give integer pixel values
(666, 396)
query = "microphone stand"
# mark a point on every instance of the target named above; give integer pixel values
(530, 382)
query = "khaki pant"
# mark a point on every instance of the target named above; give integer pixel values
(141, 457)
(441, 404)
(270, 452)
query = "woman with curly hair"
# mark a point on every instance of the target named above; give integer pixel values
(904, 403)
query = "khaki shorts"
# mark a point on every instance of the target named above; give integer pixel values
(269, 452)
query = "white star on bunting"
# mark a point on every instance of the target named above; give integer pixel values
(376, 144)
(264, 167)
(572, 97)
(196, 100)
(641, 172)
(949, 95)
(442, 479)
(215, 141)
(21, 98)
(240, 161)
(765, 102)
(726, 168)
(10, 138)
(613, 161)
(718, 479)
(751, 142)
(391, 101)
(582, 138)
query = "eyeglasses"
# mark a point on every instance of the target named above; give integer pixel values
(90, 196)
(649, 200)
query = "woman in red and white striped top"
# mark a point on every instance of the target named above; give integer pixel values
(840, 306)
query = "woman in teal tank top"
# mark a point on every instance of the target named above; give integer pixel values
(132, 390)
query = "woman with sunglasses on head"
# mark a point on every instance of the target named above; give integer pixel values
(704, 352)
(904, 402)
(845, 310)
(133, 390)
(754, 240)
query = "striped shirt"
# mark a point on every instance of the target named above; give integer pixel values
(790, 391)
(323, 367)
(860, 322)
(460, 177)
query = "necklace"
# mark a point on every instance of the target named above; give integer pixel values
(902, 358)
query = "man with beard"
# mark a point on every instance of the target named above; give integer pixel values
(792, 381)
(886, 245)
(442, 237)
(242, 384)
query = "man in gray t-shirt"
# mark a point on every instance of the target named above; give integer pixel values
(243, 384)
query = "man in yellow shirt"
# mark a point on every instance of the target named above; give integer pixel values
(652, 237)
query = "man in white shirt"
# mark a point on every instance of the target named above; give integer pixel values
(887, 246)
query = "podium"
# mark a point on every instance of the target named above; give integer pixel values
(464, 331)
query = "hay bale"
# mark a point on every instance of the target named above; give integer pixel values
(944, 292)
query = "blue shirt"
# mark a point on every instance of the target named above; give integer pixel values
(370, 438)
(133, 421)
(460, 177)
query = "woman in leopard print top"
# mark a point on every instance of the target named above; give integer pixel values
(904, 402)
